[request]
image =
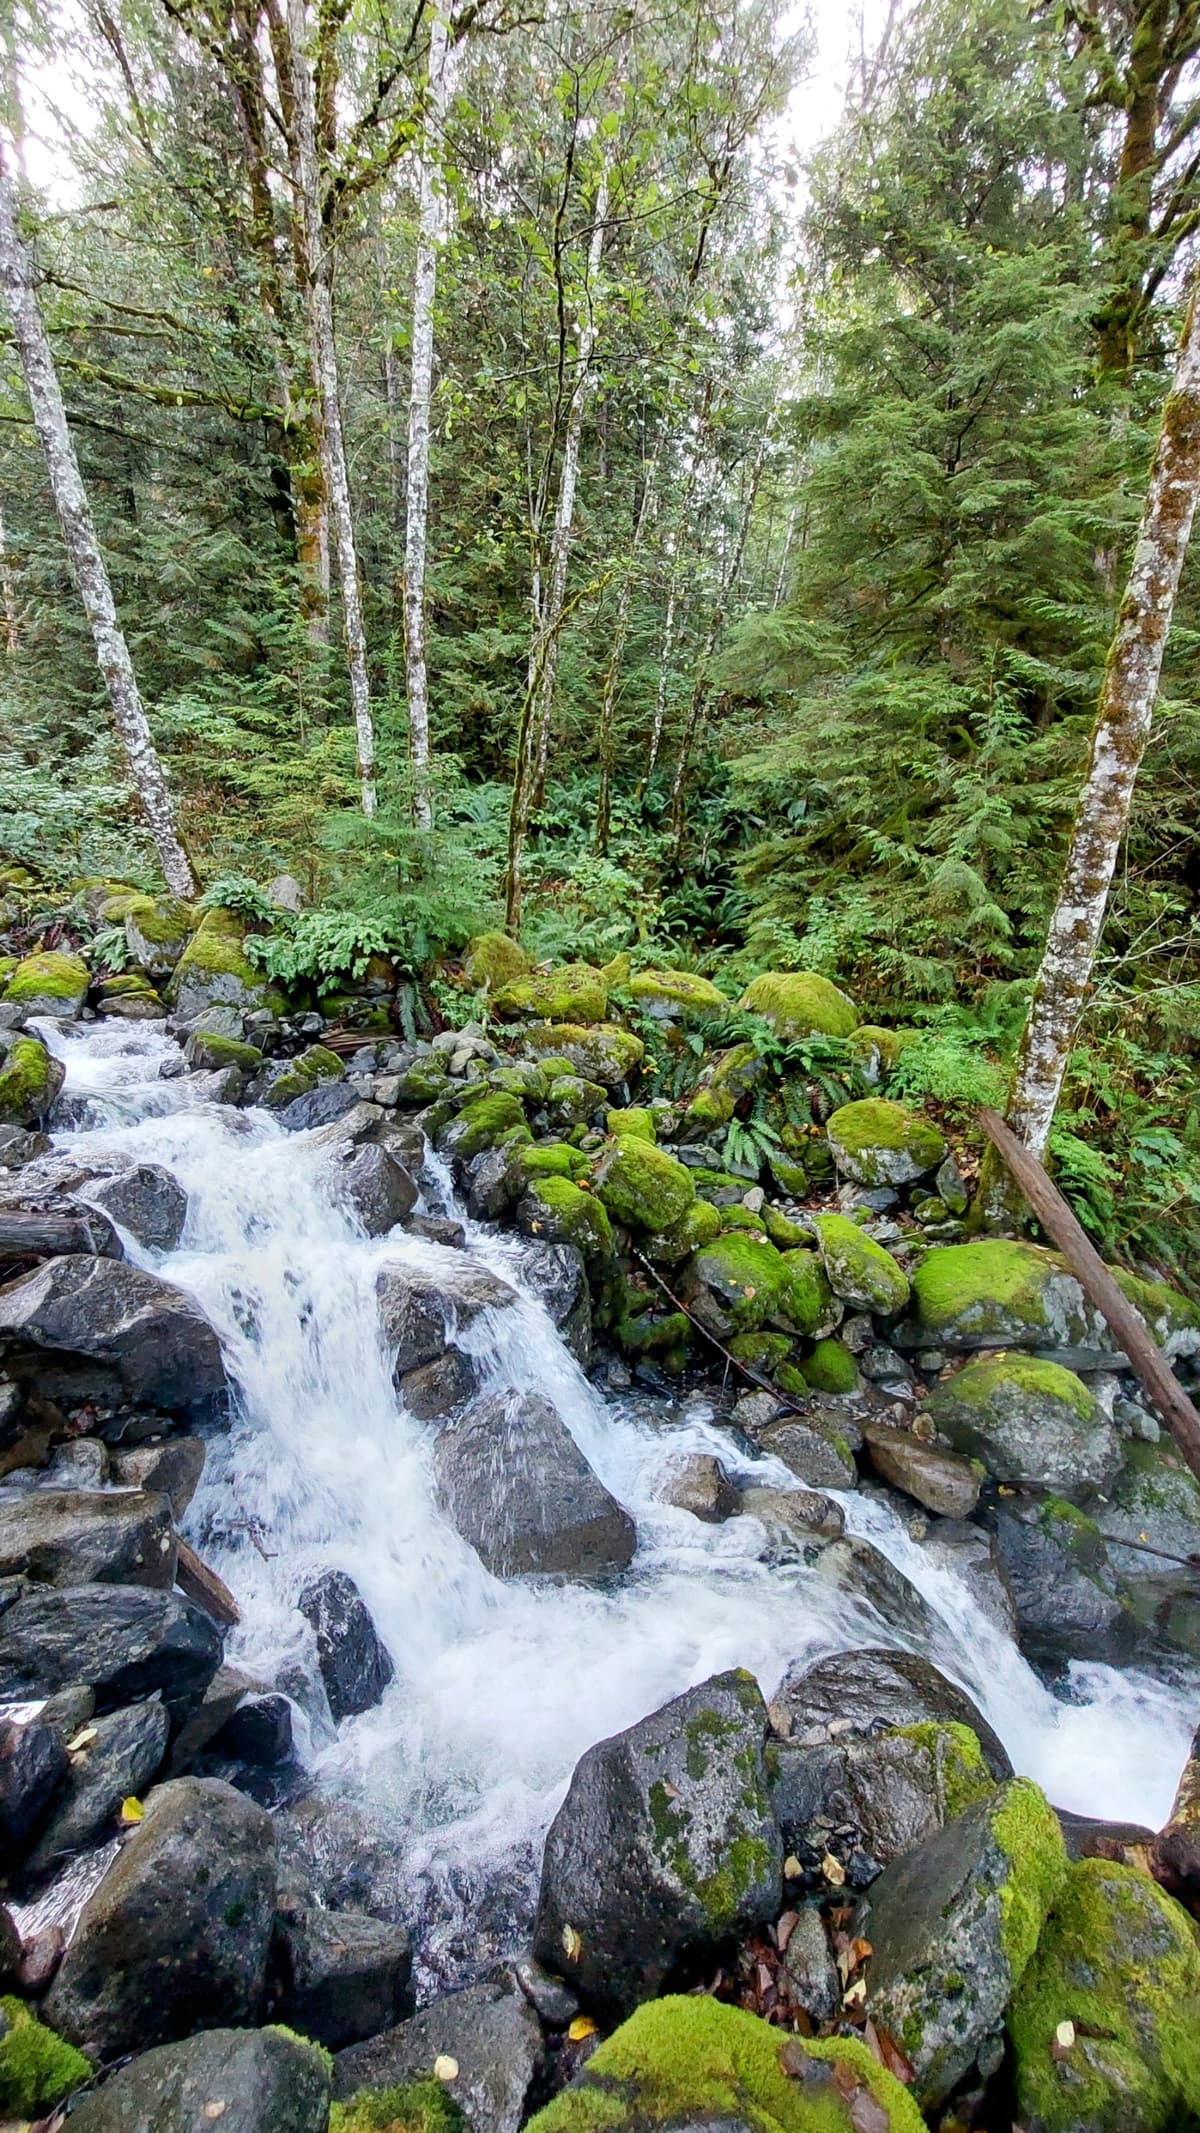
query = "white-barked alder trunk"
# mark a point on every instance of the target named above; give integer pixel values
(430, 214)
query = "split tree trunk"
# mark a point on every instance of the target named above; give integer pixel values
(319, 296)
(1119, 737)
(83, 548)
(416, 524)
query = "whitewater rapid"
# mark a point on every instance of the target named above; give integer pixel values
(500, 1686)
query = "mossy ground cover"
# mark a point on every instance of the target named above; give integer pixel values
(37, 2068)
(801, 1003)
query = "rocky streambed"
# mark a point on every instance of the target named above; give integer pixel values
(794, 1668)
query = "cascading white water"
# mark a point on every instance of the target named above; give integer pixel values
(501, 1686)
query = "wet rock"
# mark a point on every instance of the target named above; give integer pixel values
(259, 1733)
(973, 1557)
(330, 1100)
(491, 2033)
(815, 1455)
(813, 1982)
(514, 1483)
(1068, 1598)
(335, 1854)
(421, 1308)
(433, 1390)
(103, 1330)
(493, 1184)
(873, 1690)
(343, 1976)
(87, 1537)
(945, 1483)
(377, 1187)
(177, 1934)
(883, 1795)
(558, 1277)
(122, 1758)
(700, 1484)
(171, 1468)
(123, 1641)
(354, 1664)
(1031, 1423)
(1155, 1500)
(864, 1575)
(953, 1925)
(30, 1079)
(147, 1201)
(795, 1514)
(665, 1848)
(222, 1699)
(248, 2080)
(437, 1229)
(33, 1770)
(554, 2002)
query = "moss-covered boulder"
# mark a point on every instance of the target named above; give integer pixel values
(739, 1070)
(642, 1186)
(878, 1142)
(561, 1212)
(49, 983)
(830, 1367)
(807, 1303)
(493, 960)
(1068, 1599)
(953, 1926)
(37, 2068)
(998, 1291)
(1119, 1962)
(665, 1849)
(483, 1123)
(699, 1225)
(860, 1271)
(280, 1084)
(634, 1120)
(708, 1108)
(129, 998)
(1032, 1423)
(30, 1079)
(696, 2062)
(741, 1282)
(606, 1054)
(1156, 1500)
(574, 992)
(404, 2107)
(215, 970)
(551, 1159)
(875, 1051)
(157, 929)
(574, 1101)
(209, 1051)
(801, 1003)
(675, 995)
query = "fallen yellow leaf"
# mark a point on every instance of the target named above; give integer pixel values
(583, 2026)
(833, 1870)
(132, 1810)
(572, 1944)
(792, 1869)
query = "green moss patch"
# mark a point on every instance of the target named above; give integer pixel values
(962, 1775)
(563, 1213)
(634, 1120)
(858, 1269)
(642, 1186)
(830, 1367)
(30, 1079)
(1030, 1835)
(801, 1003)
(493, 960)
(574, 992)
(676, 992)
(410, 2107)
(37, 2068)
(878, 1142)
(49, 983)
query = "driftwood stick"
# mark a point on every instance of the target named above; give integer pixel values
(36, 1233)
(1145, 1356)
(197, 1582)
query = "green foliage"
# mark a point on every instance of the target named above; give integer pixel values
(237, 893)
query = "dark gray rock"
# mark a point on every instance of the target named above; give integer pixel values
(489, 2029)
(125, 1755)
(147, 1201)
(375, 1184)
(172, 1467)
(421, 1308)
(123, 1641)
(973, 1557)
(815, 1455)
(33, 1769)
(1032, 1424)
(558, 1277)
(103, 1330)
(493, 1184)
(244, 2080)
(354, 1665)
(556, 2005)
(330, 1100)
(1068, 1599)
(437, 1229)
(866, 1577)
(514, 1483)
(665, 1850)
(87, 1537)
(178, 1932)
(224, 1695)
(343, 1976)
(871, 1691)
(793, 1517)
(436, 1388)
(882, 1795)
(1156, 1500)
(259, 1732)
(812, 1978)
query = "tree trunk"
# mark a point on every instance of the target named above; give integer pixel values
(319, 294)
(1119, 737)
(608, 700)
(79, 534)
(416, 523)
(1133, 195)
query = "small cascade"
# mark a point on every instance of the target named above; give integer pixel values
(500, 1687)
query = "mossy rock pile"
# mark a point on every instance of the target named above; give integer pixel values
(607, 1054)
(49, 983)
(675, 994)
(801, 1003)
(214, 970)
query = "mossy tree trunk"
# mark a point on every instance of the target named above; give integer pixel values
(416, 520)
(79, 534)
(1119, 737)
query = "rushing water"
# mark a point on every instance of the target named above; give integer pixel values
(501, 1686)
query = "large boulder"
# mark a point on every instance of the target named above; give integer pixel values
(604, 1053)
(801, 1003)
(1000, 1292)
(123, 1641)
(101, 1330)
(422, 1307)
(33, 1770)
(676, 995)
(488, 2032)
(740, 1282)
(574, 992)
(1033, 1424)
(876, 1142)
(943, 1482)
(156, 931)
(342, 1976)
(119, 1757)
(30, 1079)
(1118, 1963)
(87, 1537)
(1069, 1601)
(872, 1691)
(952, 1927)
(146, 1200)
(354, 1663)
(515, 1484)
(695, 2063)
(493, 960)
(1154, 1500)
(374, 1183)
(859, 1270)
(665, 1850)
(214, 970)
(870, 1799)
(642, 1186)
(241, 2080)
(49, 983)
(177, 1935)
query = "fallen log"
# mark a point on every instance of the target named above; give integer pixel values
(1145, 1356)
(39, 1233)
(196, 1581)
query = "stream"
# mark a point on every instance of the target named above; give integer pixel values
(500, 1687)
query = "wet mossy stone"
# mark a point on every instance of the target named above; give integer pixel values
(574, 992)
(574, 1100)
(49, 983)
(878, 1142)
(521, 1077)
(719, 1186)
(207, 1049)
(671, 994)
(801, 1003)
(1155, 1499)
(696, 2062)
(1032, 1423)
(562, 1213)
(738, 1070)
(551, 1159)
(783, 1232)
(761, 1352)
(816, 1455)
(736, 1284)
(665, 1850)
(240, 2080)
(698, 1226)
(653, 1333)
(830, 1367)
(642, 1186)
(634, 1120)
(1120, 1961)
(425, 1080)
(37, 2068)
(483, 1123)
(807, 1301)
(156, 930)
(1069, 1602)
(214, 969)
(607, 1054)
(953, 1925)
(298, 1077)
(30, 1079)
(405, 2107)
(858, 1269)
(708, 1107)
(493, 960)
(877, 1689)
(790, 1177)
(875, 1051)
(1000, 1291)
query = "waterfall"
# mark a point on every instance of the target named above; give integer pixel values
(499, 1687)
